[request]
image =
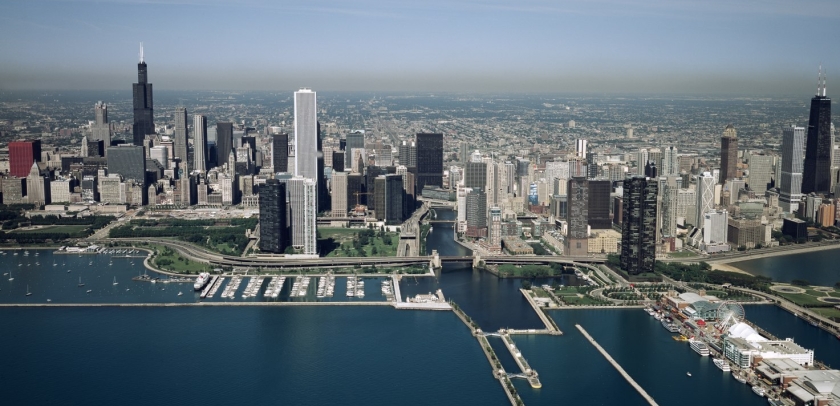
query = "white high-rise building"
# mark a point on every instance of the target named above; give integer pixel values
(705, 197)
(160, 154)
(642, 158)
(793, 155)
(306, 134)
(303, 211)
(761, 172)
(670, 162)
(715, 227)
(580, 148)
(199, 143)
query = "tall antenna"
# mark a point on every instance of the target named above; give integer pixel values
(825, 77)
(141, 53)
(819, 79)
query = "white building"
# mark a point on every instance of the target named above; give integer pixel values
(744, 346)
(306, 134)
(339, 194)
(705, 197)
(302, 195)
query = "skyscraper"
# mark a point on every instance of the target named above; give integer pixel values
(475, 175)
(273, 232)
(577, 217)
(728, 154)
(790, 185)
(200, 143)
(181, 136)
(408, 154)
(819, 144)
(144, 118)
(100, 130)
(354, 141)
(22, 154)
(761, 172)
(705, 197)
(306, 135)
(670, 162)
(599, 204)
(302, 205)
(224, 142)
(280, 152)
(580, 148)
(638, 230)
(339, 194)
(429, 160)
(128, 161)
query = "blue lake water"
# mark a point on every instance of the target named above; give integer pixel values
(818, 267)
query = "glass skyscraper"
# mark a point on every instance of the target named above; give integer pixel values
(144, 118)
(816, 175)
(638, 230)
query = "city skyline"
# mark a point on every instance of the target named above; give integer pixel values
(535, 46)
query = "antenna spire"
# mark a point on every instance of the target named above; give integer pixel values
(819, 80)
(141, 53)
(825, 77)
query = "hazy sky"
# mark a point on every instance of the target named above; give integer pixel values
(659, 46)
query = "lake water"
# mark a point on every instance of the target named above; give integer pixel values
(818, 267)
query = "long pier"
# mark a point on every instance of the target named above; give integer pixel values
(618, 367)
(195, 304)
(549, 324)
(533, 378)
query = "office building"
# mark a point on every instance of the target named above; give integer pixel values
(728, 154)
(128, 161)
(819, 145)
(429, 160)
(280, 152)
(580, 148)
(306, 135)
(761, 172)
(339, 194)
(100, 130)
(599, 204)
(22, 154)
(476, 205)
(273, 232)
(302, 206)
(181, 148)
(408, 154)
(638, 231)
(224, 142)
(475, 175)
(705, 197)
(144, 118)
(670, 162)
(354, 140)
(200, 143)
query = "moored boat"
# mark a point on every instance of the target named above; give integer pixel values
(699, 347)
(722, 364)
(201, 281)
(758, 390)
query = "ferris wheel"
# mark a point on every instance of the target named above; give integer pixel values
(728, 314)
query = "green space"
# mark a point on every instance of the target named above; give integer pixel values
(831, 312)
(702, 272)
(170, 260)
(540, 292)
(74, 230)
(802, 299)
(539, 249)
(682, 254)
(51, 227)
(577, 296)
(357, 242)
(225, 236)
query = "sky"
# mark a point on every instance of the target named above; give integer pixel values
(735, 47)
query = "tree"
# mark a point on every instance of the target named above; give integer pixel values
(526, 285)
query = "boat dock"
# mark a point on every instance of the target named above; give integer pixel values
(214, 286)
(530, 374)
(209, 286)
(618, 367)
(230, 289)
(275, 285)
(253, 287)
(549, 323)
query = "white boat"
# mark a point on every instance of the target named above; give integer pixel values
(722, 364)
(739, 378)
(699, 347)
(670, 326)
(89, 291)
(758, 390)
(180, 293)
(115, 281)
(201, 281)
(28, 293)
(11, 278)
(688, 373)
(80, 282)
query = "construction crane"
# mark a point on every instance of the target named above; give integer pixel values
(359, 209)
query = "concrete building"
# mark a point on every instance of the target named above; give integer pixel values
(761, 172)
(339, 194)
(728, 154)
(745, 347)
(577, 217)
(705, 197)
(302, 196)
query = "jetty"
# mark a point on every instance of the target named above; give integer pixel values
(550, 325)
(527, 372)
(618, 367)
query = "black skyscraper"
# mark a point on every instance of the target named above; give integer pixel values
(324, 201)
(638, 231)
(816, 174)
(280, 152)
(144, 119)
(273, 231)
(599, 204)
(429, 160)
(224, 142)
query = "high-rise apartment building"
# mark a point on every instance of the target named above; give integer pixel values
(670, 162)
(273, 232)
(144, 118)
(638, 230)
(790, 184)
(302, 205)
(181, 136)
(339, 194)
(577, 217)
(599, 204)
(280, 152)
(819, 144)
(728, 154)
(408, 154)
(200, 143)
(22, 154)
(306, 134)
(761, 172)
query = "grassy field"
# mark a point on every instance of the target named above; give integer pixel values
(570, 295)
(683, 254)
(339, 242)
(169, 260)
(70, 229)
(830, 312)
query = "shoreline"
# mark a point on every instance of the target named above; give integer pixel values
(768, 254)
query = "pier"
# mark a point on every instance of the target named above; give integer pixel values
(618, 367)
(209, 286)
(530, 374)
(549, 323)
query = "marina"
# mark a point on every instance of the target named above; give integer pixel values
(253, 287)
(211, 288)
(232, 287)
(300, 287)
(275, 285)
(326, 286)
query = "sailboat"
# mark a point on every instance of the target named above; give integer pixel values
(11, 278)
(80, 282)
(115, 281)
(28, 293)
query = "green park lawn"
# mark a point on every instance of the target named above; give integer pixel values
(69, 229)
